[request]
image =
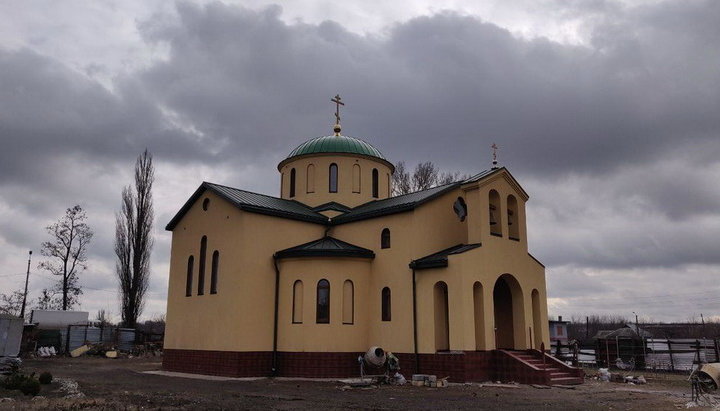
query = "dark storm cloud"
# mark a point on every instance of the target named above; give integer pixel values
(49, 112)
(251, 83)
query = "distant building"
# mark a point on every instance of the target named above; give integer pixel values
(626, 344)
(558, 331)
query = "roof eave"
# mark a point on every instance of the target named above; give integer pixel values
(324, 253)
(392, 210)
(320, 219)
(284, 162)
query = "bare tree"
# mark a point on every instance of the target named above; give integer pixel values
(11, 303)
(134, 241)
(425, 175)
(102, 318)
(401, 180)
(67, 257)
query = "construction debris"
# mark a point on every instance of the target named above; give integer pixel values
(45, 352)
(111, 354)
(79, 351)
(427, 380)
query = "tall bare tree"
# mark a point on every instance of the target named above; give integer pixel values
(425, 175)
(67, 256)
(134, 241)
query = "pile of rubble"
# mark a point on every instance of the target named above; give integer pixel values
(605, 375)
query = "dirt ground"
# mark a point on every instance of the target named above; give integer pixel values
(121, 384)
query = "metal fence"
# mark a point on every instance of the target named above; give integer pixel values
(655, 354)
(79, 335)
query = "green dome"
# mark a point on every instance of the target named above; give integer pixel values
(336, 144)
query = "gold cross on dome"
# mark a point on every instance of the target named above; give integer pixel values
(338, 103)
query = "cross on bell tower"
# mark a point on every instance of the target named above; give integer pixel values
(494, 162)
(337, 128)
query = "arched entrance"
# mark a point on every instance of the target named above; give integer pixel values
(509, 313)
(442, 329)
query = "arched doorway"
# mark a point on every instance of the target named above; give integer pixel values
(442, 328)
(537, 324)
(479, 311)
(509, 313)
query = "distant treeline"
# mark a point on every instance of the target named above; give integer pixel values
(582, 328)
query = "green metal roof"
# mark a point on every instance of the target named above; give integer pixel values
(336, 144)
(252, 202)
(326, 247)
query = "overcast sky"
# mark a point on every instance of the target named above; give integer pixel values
(608, 113)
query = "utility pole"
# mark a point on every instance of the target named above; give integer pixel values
(27, 279)
(587, 327)
(703, 325)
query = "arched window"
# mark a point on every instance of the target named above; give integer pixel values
(348, 302)
(311, 178)
(333, 178)
(375, 183)
(385, 238)
(442, 316)
(460, 208)
(322, 311)
(206, 204)
(386, 307)
(297, 307)
(513, 218)
(214, 272)
(292, 183)
(201, 268)
(188, 284)
(356, 178)
(495, 214)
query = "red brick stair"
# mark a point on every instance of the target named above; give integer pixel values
(534, 367)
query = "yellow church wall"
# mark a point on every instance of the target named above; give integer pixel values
(429, 228)
(335, 336)
(348, 193)
(228, 320)
(240, 316)
(463, 271)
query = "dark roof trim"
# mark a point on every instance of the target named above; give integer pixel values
(325, 247)
(484, 174)
(440, 259)
(310, 217)
(394, 205)
(536, 260)
(341, 154)
(332, 206)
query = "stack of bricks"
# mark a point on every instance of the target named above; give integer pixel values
(425, 380)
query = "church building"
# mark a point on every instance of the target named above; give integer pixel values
(301, 284)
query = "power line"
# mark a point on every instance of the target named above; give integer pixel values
(97, 289)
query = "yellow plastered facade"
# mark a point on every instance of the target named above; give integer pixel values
(240, 316)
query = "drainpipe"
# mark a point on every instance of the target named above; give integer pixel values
(415, 337)
(274, 370)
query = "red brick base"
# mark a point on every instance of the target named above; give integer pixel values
(459, 366)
